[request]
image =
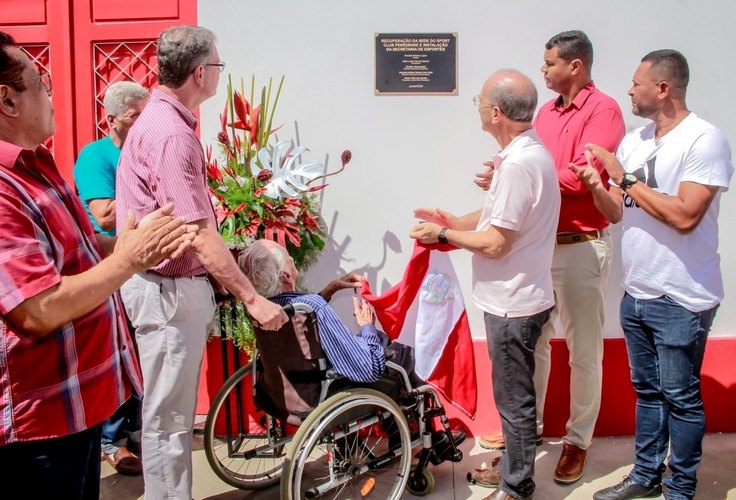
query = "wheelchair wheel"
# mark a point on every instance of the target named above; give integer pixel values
(244, 447)
(356, 444)
(420, 484)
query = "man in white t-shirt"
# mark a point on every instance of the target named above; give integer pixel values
(669, 176)
(512, 239)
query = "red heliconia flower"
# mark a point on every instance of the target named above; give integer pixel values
(264, 175)
(223, 118)
(213, 172)
(242, 107)
(346, 156)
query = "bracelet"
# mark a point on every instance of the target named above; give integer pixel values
(441, 236)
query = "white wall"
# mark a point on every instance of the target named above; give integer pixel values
(411, 151)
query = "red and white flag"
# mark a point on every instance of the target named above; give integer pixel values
(426, 310)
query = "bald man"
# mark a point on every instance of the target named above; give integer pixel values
(512, 239)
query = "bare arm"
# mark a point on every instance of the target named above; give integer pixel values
(136, 250)
(106, 243)
(682, 211)
(216, 258)
(350, 280)
(103, 210)
(495, 242)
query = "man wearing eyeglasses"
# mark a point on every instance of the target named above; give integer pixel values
(578, 115)
(66, 358)
(172, 305)
(512, 239)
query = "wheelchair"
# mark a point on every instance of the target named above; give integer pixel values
(318, 434)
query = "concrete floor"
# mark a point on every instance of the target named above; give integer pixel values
(609, 460)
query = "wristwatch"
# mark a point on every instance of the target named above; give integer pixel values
(627, 181)
(441, 236)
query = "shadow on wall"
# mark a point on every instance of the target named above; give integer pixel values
(335, 261)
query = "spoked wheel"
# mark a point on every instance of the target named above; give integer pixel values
(244, 447)
(420, 483)
(356, 444)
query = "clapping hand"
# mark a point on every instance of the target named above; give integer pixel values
(156, 237)
(483, 179)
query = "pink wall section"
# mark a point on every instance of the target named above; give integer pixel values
(617, 408)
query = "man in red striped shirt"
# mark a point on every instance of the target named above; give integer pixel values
(172, 305)
(66, 359)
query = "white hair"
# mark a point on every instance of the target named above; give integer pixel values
(119, 95)
(263, 262)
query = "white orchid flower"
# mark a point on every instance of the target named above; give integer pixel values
(288, 178)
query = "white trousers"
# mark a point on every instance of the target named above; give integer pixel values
(171, 318)
(580, 274)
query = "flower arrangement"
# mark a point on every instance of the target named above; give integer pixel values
(264, 190)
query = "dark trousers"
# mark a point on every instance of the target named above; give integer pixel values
(66, 468)
(511, 343)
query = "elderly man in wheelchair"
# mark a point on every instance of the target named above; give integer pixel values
(354, 401)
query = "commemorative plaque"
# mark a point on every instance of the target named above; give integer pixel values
(416, 64)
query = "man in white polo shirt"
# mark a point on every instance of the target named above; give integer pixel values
(512, 239)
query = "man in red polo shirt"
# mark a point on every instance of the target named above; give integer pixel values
(66, 358)
(579, 115)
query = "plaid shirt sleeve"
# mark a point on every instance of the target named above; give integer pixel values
(26, 264)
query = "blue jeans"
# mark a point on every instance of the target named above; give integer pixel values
(67, 467)
(511, 343)
(116, 429)
(666, 343)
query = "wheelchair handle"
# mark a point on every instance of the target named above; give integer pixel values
(291, 308)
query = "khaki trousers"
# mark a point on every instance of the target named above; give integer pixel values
(171, 318)
(580, 273)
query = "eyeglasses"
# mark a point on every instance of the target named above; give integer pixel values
(43, 77)
(220, 65)
(476, 101)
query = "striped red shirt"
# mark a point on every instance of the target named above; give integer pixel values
(77, 376)
(162, 161)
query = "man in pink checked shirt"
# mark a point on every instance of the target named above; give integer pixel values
(172, 305)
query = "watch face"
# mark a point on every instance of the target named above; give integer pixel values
(630, 178)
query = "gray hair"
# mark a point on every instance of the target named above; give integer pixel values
(515, 95)
(262, 262)
(119, 95)
(180, 50)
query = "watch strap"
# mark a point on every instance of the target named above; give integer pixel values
(441, 236)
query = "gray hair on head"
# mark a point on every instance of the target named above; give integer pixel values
(180, 50)
(262, 262)
(119, 95)
(515, 95)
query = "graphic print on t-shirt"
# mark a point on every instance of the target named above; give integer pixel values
(645, 175)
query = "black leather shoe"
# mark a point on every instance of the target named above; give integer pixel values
(627, 489)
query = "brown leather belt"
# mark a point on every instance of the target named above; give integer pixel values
(570, 238)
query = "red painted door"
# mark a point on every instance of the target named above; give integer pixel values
(86, 46)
